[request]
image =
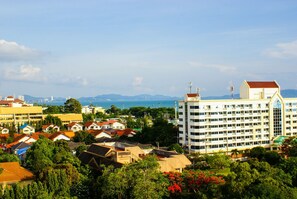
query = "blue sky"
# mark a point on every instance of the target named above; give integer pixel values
(129, 47)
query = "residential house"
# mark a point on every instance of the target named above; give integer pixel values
(92, 126)
(20, 149)
(13, 173)
(123, 153)
(27, 129)
(112, 124)
(99, 134)
(58, 136)
(4, 130)
(126, 132)
(69, 134)
(171, 161)
(74, 126)
(50, 128)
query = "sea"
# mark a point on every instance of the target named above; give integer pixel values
(127, 104)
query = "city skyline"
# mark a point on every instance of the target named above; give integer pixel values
(128, 47)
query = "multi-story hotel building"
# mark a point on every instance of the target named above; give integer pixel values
(256, 119)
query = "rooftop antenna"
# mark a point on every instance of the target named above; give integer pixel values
(190, 86)
(198, 91)
(232, 90)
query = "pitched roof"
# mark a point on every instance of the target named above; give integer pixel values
(262, 84)
(69, 134)
(20, 136)
(96, 161)
(56, 134)
(87, 124)
(99, 149)
(97, 132)
(13, 172)
(20, 145)
(37, 135)
(73, 123)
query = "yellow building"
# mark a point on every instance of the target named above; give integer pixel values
(20, 115)
(68, 118)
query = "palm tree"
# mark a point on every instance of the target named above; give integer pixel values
(234, 152)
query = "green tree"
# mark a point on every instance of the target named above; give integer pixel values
(272, 157)
(138, 180)
(72, 106)
(176, 147)
(218, 161)
(6, 157)
(234, 152)
(49, 119)
(83, 136)
(257, 152)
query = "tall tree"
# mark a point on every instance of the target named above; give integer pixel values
(72, 106)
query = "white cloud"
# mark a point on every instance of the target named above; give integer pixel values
(70, 81)
(12, 51)
(222, 68)
(137, 81)
(283, 50)
(24, 73)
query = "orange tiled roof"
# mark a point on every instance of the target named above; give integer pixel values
(38, 134)
(69, 134)
(268, 84)
(13, 172)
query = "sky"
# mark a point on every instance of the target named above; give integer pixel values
(86, 48)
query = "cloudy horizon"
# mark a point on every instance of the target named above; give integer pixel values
(128, 47)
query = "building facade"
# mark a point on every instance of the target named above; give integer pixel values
(256, 119)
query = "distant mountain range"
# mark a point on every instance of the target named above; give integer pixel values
(288, 93)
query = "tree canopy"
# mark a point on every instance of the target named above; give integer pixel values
(72, 106)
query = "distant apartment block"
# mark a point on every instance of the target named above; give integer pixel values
(256, 119)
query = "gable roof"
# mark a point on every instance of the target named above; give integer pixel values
(87, 124)
(37, 135)
(13, 172)
(56, 134)
(20, 145)
(21, 136)
(73, 124)
(96, 132)
(24, 126)
(262, 84)
(99, 149)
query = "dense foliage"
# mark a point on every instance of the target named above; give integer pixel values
(59, 174)
(161, 133)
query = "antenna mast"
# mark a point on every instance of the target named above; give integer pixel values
(190, 87)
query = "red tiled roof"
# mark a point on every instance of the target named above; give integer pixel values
(87, 124)
(21, 136)
(56, 134)
(269, 84)
(72, 124)
(192, 95)
(45, 126)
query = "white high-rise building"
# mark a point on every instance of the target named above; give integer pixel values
(256, 119)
